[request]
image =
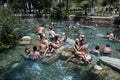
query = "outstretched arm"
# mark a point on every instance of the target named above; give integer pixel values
(45, 52)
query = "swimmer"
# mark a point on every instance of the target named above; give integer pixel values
(107, 50)
(33, 54)
(69, 27)
(95, 51)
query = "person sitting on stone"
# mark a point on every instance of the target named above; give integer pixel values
(44, 39)
(56, 43)
(74, 55)
(64, 38)
(82, 53)
(49, 51)
(43, 47)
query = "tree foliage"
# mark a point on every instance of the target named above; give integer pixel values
(8, 36)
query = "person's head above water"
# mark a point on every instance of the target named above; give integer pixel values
(50, 46)
(76, 40)
(34, 48)
(97, 47)
(51, 28)
(56, 38)
(107, 45)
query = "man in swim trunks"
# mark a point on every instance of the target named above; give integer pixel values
(41, 30)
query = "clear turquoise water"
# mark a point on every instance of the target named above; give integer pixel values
(28, 70)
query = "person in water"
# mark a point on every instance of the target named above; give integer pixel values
(44, 39)
(49, 51)
(56, 43)
(95, 51)
(111, 36)
(64, 38)
(41, 30)
(107, 50)
(32, 54)
(52, 34)
(69, 27)
(43, 47)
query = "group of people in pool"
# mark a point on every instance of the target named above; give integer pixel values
(49, 44)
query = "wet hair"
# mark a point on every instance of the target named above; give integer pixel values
(34, 48)
(51, 28)
(41, 35)
(107, 33)
(56, 38)
(107, 45)
(82, 41)
(97, 47)
(76, 41)
(50, 45)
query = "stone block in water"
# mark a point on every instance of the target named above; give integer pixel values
(66, 54)
(97, 67)
(25, 42)
(26, 38)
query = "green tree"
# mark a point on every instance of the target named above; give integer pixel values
(8, 37)
(85, 5)
(109, 2)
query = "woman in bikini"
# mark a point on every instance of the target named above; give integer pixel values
(49, 51)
